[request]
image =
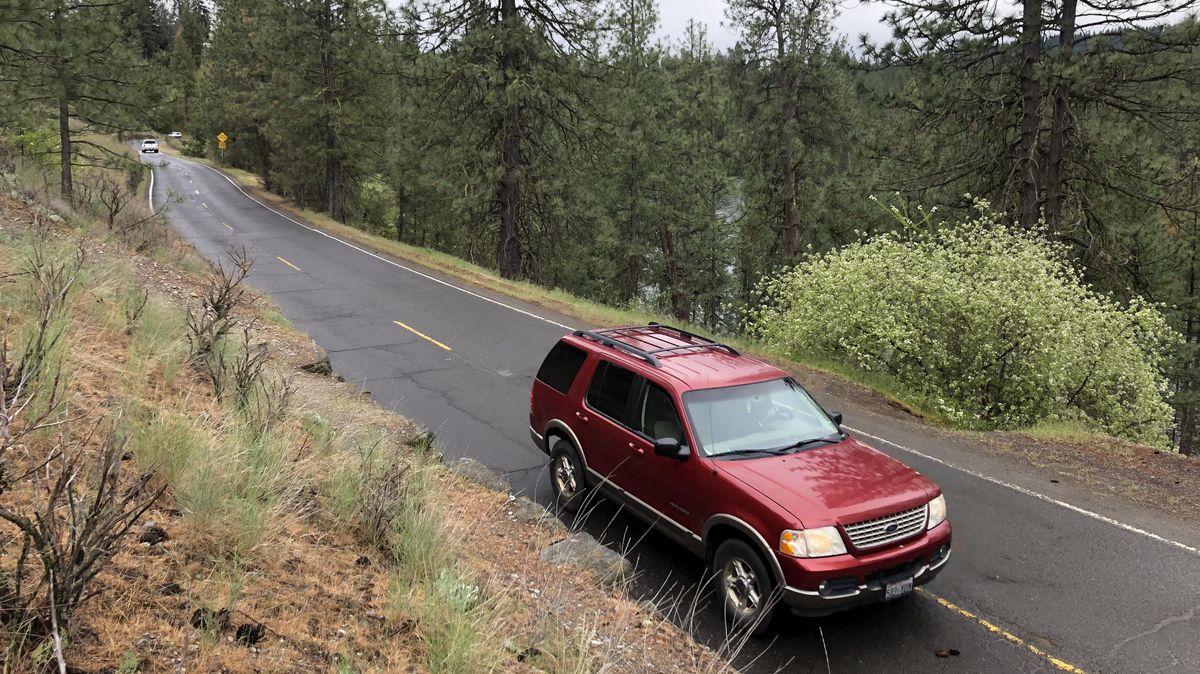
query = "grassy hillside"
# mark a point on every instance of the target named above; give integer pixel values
(180, 493)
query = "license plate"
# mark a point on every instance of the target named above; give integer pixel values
(898, 589)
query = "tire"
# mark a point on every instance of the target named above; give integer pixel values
(567, 476)
(748, 591)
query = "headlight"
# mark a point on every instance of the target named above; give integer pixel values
(823, 542)
(937, 511)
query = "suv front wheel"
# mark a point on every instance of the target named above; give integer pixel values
(566, 476)
(747, 590)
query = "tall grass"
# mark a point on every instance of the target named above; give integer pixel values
(242, 489)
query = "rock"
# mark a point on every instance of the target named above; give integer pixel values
(151, 643)
(153, 535)
(322, 367)
(583, 551)
(523, 510)
(249, 634)
(479, 473)
(207, 619)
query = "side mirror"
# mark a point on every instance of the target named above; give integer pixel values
(837, 417)
(671, 448)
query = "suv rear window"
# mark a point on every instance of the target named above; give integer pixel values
(560, 367)
(609, 391)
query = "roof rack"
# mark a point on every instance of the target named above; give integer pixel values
(710, 342)
(608, 341)
(603, 337)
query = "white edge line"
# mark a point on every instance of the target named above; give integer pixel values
(150, 192)
(1034, 494)
(384, 259)
(981, 476)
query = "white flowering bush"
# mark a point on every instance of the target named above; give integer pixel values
(988, 322)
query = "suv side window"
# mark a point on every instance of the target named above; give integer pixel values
(656, 416)
(609, 391)
(560, 367)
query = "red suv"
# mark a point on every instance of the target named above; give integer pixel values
(732, 458)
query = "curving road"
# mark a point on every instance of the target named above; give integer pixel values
(1044, 577)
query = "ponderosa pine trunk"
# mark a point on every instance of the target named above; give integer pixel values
(333, 160)
(1060, 125)
(791, 229)
(1030, 92)
(632, 263)
(510, 150)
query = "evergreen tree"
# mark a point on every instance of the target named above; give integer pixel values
(634, 97)
(146, 23)
(791, 106)
(72, 64)
(511, 76)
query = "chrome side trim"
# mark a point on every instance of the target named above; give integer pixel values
(745, 528)
(605, 483)
(537, 436)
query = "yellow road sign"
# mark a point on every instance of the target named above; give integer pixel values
(221, 138)
(220, 145)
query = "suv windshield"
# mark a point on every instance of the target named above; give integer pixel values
(768, 416)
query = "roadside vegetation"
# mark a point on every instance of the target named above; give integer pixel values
(566, 148)
(983, 321)
(179, 493)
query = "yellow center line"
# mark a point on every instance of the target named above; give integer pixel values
(423, 335)
(996, 629)
(287, 263)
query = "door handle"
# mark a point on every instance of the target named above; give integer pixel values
(582, 417)
(637, 449)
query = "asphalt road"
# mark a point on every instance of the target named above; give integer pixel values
(1043, 578)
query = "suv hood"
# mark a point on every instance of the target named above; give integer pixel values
(834, 484)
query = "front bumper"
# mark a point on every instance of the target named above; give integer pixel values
(835, 584)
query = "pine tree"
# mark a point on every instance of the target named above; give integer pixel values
(510, 69)
(790, 99)
(1004, 99)
(72, 62)
(292, 82)
(633, 96)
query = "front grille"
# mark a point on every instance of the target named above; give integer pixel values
(884, 530)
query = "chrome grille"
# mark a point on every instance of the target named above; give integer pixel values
(874, 533)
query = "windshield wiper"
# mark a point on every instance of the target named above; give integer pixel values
(826, 439)
(747, 452)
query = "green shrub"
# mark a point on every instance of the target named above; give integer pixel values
(377, 206)
(988, 323)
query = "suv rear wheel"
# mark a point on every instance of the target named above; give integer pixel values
(747, 590)
(566, 476)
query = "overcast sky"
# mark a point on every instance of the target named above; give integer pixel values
(857, 17)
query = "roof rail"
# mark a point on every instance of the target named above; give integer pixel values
(685, 333)
(608, 341)
(648, 355)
